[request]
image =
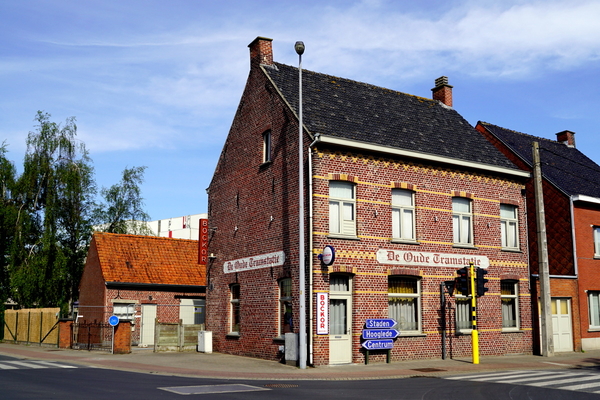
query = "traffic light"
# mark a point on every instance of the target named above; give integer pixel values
(481, 281)
(462, 281)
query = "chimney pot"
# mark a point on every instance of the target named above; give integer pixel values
(442, 91)
(566, 137)
(261, 52)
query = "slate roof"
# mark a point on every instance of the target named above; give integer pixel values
(366, 113)
(566, 167)
(148, 259)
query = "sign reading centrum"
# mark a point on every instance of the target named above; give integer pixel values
(255, 262)
(397, 257)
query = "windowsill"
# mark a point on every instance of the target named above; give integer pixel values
(464, 246)
(279, 339)
(412, 334)
(265, 164)
(596, 257)
(510, 250)
(464, 332)
(234, 335)
(405, 241)
(344, 237)
(594, 329)
(512, 330)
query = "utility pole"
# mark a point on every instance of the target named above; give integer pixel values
(547, 345)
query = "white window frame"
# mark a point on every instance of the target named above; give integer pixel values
(596, 234)
(285, 304)
(462, 221)
(267, 147)
(342, 209)
(594, 309)
(463, 313)
(234, 306)
(403, 214)
(509, 226)
(407, 296)
(506, 299)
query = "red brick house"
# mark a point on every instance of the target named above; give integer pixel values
(139, 279)
(402, 189)
(571, 190)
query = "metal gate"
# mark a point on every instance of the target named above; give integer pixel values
(93, 336)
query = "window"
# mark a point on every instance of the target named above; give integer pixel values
(404, 303)
(266, 147)
(235, 308)
(596, 241)
(509, 226)
(403, 214)
(125, 311)
(463, 314)
(285, 306)
(462, 221)
(509, 295)
(594, 308)
(342, 208)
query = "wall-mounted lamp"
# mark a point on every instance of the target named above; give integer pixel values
(212, 256)
(235, 229)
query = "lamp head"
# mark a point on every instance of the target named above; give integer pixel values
(299, 46)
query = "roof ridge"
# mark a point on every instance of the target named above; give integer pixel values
(520, 133)
(147, 237)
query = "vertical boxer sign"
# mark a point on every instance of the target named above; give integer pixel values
(322, 314)
(203, 242)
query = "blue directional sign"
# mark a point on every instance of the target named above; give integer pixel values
(380, 344)
(113, 320)
(380, 333)
(381, 323)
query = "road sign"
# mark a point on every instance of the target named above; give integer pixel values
(380, 344)
(113, 320)
(381, 323)
(380, 333)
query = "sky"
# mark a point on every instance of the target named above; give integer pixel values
(156, 83)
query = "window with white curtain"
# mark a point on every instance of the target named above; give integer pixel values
(342, 208)
(404, 303)
(266, 146)
(125, 311)
(594, 309)
(463, 313)
(509, 226)
(235, 311)
(462, 221)
(338, 307)
(509, 296)
(596, 241)
(403, 214)
(285, 306)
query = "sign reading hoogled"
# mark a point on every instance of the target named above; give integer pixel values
(255, 262)
(398, 257)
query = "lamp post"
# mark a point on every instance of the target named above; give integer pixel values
(299, 47)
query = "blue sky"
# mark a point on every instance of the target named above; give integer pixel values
(157, 83)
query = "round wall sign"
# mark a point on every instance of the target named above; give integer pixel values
(113, 320)
(328, 256)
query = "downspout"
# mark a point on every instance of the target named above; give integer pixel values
(575, 265)
(310, 250)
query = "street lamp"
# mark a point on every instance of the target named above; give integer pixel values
(299, 47)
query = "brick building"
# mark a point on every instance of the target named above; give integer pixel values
(400, 187)
(571, 190)
(141, 279)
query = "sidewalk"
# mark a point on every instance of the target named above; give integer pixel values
(223, 366)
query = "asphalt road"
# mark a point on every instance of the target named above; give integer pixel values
(32, 379)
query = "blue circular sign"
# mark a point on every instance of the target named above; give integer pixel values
(113, 320)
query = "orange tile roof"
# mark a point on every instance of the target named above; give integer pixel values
(148, 259)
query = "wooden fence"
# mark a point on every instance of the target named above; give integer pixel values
(176, 337)
(32, 325)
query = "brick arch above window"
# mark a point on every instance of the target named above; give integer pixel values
(405, 272)
(403, 185)
(462, 193)
(509, 277)
(337, 269)
(342, 177)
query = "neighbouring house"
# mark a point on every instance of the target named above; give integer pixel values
(142, 279)
(571, 192)
(186, 227)
(400, 192)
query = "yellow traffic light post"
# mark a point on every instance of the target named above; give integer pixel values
(474, 332)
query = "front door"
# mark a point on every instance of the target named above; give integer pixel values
(561, 324)
(340, 319)
(148, 320)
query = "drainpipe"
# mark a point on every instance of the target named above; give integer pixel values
(310, 249)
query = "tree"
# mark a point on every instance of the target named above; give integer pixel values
(55, 198)
(122, 211)
(8, 215)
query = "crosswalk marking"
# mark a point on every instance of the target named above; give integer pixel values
(566, 380)
(31, 364)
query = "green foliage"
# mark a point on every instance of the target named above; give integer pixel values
(8, 216)
(122, 211)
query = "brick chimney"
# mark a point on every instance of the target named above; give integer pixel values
(566, 137)
(442, 91)
(261, 52)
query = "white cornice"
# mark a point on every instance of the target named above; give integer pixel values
(587, 199)
(421, 156)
